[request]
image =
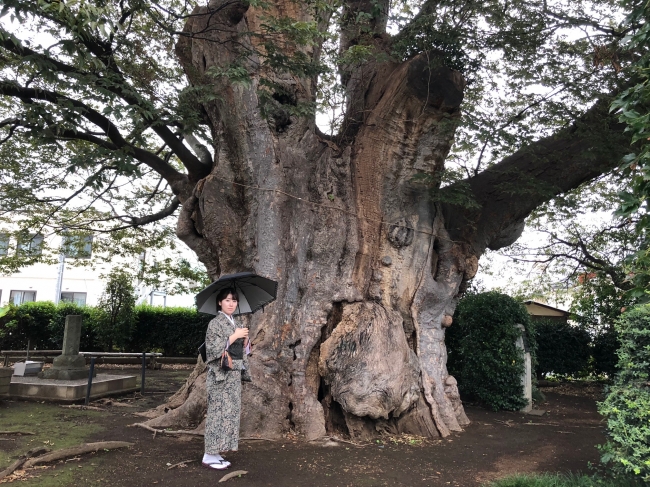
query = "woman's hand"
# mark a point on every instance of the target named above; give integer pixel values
(239, 333)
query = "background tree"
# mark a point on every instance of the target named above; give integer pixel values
(371, 233)
(117, 303)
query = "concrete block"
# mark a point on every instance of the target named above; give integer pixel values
(70, 390)
(28, 367)
(5, 379)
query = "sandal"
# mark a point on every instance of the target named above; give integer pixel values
(216, 465)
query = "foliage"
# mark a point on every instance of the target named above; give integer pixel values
(116, 303)
(597, 305)
(171, 331)
(605, 346)
(584, 264)
(561, 348)
(558, 480)
(631, 107)
(43, 322)
(627, 406)
(574, 243)
(482, 353)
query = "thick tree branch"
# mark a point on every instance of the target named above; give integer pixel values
(119, 86)
(117, 141)
(507, 192)
(199, 149)
(362, 19)
(162, 214)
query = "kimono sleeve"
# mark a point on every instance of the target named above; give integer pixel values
(215, 339)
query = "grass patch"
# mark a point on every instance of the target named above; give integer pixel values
(557, 480)
(54, 427)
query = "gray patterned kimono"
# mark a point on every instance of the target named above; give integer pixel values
(224, 390)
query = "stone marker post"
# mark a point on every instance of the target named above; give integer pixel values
(527, 376)
(69, 365)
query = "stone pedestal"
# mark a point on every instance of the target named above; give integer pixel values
(527, 377)
(70, 365)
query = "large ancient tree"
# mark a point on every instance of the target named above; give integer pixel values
(371, 248)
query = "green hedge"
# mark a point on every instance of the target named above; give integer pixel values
(176, 332)
(172, 331)
(604, 351)
(482, 354)
(42, 323)
(562, 349)
(627, 406)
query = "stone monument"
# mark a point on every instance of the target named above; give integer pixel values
(70, 365)
(527, 376)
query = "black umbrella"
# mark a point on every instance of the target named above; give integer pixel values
(254, 292)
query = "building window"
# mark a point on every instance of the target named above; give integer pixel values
(31, 245)
(77, 246)
(20, 297)
(4, 243)
(77, 298)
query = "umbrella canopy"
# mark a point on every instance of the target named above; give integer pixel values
(254, 292)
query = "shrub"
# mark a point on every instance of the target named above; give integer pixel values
(482, 353)
(29, 322)
(172, 331)
(43, 323)
(561, 348)
(627, 406)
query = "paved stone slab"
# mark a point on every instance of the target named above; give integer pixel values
(536, 412)
(70, 390)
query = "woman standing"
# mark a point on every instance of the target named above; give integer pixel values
(224, 386)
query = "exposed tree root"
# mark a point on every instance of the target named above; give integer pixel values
(181, 464)
(81, 406)
(21, 460)
(168, 432)
(185, 408)
(232, 475)
(76, 450)
(340, 440)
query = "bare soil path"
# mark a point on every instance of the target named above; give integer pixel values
(494, 445)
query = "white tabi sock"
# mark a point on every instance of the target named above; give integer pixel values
(211, 458)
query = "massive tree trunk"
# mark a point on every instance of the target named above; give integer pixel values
(370, 266)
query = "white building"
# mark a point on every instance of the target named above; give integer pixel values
(64, 282)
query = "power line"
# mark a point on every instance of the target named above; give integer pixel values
(329, 207)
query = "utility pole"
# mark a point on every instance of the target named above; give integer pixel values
(59, 277)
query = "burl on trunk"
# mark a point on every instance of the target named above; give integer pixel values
(370, 266)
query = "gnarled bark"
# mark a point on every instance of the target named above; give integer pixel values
(370, 267)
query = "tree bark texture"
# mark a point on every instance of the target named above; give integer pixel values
(369, 266)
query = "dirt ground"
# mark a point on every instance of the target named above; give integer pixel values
(493, 446)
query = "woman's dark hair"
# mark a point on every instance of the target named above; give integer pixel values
(223, 294)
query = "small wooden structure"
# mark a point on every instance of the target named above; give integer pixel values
(541, 311)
